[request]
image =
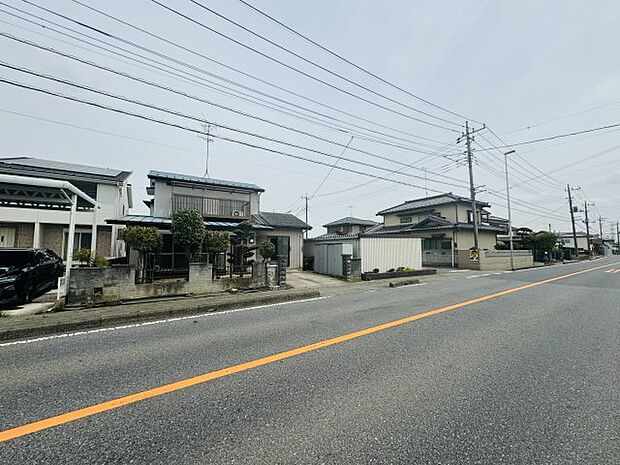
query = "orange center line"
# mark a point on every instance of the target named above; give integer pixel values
(96, 409)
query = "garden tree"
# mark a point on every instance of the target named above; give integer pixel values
(143, 240)
(241, 256)
(216, 243)
(267, 250)
(188, 230)
(544, 241)
(524, 234)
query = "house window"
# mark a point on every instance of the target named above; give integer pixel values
(470, 216)
(81, 240)
(406, 219)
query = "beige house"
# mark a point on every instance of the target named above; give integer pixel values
(444, 222)
(41, 225)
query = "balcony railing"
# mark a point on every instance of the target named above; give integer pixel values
(212, 207)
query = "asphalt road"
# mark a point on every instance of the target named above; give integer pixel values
(525, 377)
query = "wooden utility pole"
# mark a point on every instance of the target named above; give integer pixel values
(305, 197)
(572, 219)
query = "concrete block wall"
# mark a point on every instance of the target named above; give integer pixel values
(496, 260)
(117, 283)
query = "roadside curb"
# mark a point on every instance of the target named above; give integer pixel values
(77, 320)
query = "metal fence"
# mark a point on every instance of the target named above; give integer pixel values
(439, 258)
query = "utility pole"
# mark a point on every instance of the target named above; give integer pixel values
(572, 219)
(206, 127)
(512, 259)
(585, 204)
(618, 235)
(305, 197)
(600, 226)
(472, 189)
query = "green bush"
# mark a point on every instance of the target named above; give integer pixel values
(188, 230)
(83, 256)
(267, 250)
(100, 262)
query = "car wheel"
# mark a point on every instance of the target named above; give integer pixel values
(28, 294)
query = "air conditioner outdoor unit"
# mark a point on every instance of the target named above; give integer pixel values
(237, 213)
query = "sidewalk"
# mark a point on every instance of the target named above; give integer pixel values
(27, 326)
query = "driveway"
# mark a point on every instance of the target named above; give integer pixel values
(298, 279)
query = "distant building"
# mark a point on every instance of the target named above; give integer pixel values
(349, 225)
(26, 226)
(568, 242)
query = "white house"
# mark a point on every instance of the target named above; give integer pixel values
(25, 226)
(223, 204)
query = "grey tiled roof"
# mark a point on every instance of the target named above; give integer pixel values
(148, 220)
(333, 237)
(351, 220)
(204, 181)
(421, 228)
(27, 166)
(426, 202)
(280, 220)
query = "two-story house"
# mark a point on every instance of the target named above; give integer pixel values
(223, 205)
(445, 222)
(49, 228)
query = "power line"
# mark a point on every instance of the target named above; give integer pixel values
(301, 57)
(193, 97)
(216, 76)
(557, 136)
(560, 183)
(197, 131)
(559, 118)
(194, 118)
(318, 188)
(360, 68)
(297, 70)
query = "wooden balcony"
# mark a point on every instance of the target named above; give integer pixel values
(212, 207)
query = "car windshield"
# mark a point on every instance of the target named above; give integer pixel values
(9, 258)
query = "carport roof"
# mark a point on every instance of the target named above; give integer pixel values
(41, 193)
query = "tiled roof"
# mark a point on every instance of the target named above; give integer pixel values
(27, 166)
(280, 220)
(349, 220)
(204, 181)
(426, 202)
(148, 220)
(421, 228)
(333, 237)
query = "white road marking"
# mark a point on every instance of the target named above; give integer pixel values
(155, 322)
(479, 275)
(409, 285)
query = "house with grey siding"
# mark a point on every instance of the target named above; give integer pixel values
(40, 225)
(224, 205)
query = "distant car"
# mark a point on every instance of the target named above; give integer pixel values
(27, 273)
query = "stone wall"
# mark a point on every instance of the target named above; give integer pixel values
(91, 286)
(496, 260)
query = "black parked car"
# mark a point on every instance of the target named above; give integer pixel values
(27, 273)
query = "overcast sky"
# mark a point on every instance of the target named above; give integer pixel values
(527, 69)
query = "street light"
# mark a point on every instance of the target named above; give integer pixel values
(512, 260)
